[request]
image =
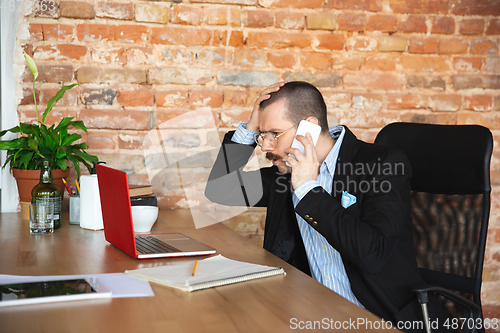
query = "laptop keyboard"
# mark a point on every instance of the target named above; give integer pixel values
(151, 245)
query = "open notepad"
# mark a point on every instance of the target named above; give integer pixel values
(211, 272)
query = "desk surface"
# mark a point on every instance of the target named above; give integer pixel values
(275, 304)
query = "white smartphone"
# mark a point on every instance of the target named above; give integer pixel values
(306, 127)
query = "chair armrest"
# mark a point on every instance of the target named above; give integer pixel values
(471, 309)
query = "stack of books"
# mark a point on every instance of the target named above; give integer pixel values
(142, 195)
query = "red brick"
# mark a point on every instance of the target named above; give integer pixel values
(490, 120)
(211, 98)
(77, 10)
(405, 102)
(28, 48)
(351, 22)
(258, 18)
(474, 7)
(414, 23)
(131, 140)
(289, 20)
(351, 63)
(233, 38)
(419, 6)
(185, 15)
(423, 63)
(111, 119)
(98, 139)
(28, 116)
(28, 99)
(135, 98)
(467, 64)
(368, 102)
(372, 82)
(245, 57)
(362, 43)
(316, 60)
(330, 41)
(453, 46)
(172, 98)
(276, 40)
(384, 23)
(35, 31)
(493, 27)
(109, 55)
(366, 5)
(443, 25)
(426, 81)
(337, 100)
(281, 59)
(423, 45)
(115, 10)
(214, 57)
(102, 32)
(484, 47)
(57, 31)
(70, 98)
(429, 118)
(446, 102)
(244, 98)
(60, 51)
(321, 21)
(293, 3)
(111, 75)
(472, 81)
(472, 27)
(224, 15)
(139, 55)
(381, 63)
(478, 102)
(185, 36)
(54, 73)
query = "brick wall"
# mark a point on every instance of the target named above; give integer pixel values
(141, 64)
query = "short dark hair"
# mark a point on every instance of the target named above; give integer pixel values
(302, 100)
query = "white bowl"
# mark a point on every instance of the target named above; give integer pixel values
(144, 217)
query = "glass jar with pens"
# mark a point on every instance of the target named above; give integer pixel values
(74, 202)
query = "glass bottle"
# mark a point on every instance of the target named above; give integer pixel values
(46, 202)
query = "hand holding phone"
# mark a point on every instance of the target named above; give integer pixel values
(305, 127)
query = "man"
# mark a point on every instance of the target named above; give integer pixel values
(340, 212)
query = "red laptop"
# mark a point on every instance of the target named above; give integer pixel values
(119, 227)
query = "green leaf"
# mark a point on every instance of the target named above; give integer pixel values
(78, 124)
(65, 123)
(54, 99)
(47, 137)
(62, 164)
(70, 139)
(31, 65)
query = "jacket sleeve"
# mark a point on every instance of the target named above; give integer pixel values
(365, 233)
(228, 184)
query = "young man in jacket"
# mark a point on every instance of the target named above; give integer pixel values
(340, 212)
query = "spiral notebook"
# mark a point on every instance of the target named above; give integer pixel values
(211, 272)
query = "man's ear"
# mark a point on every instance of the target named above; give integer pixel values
(313, 120)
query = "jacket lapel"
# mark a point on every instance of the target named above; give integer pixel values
(275, 210)
(344, 161)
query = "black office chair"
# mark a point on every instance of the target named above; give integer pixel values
(450, 208)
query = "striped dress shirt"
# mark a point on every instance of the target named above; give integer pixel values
(325, 262)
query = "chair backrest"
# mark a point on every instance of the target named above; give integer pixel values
(450, 199)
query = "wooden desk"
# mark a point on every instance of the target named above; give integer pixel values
(267, 305)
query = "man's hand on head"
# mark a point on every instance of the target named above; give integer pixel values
(304, 167)
(253, 122)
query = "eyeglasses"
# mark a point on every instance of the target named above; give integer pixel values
(271, 137)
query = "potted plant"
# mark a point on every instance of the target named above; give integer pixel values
(37, 141)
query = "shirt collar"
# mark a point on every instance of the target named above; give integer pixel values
(337, 132)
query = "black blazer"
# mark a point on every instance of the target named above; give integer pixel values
(374, 236)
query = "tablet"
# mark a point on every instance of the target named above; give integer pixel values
(52, 291)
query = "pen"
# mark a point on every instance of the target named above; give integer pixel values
(194, 268)
(67, 187)
(77, 187)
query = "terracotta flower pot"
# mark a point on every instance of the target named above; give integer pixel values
(27, 179)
